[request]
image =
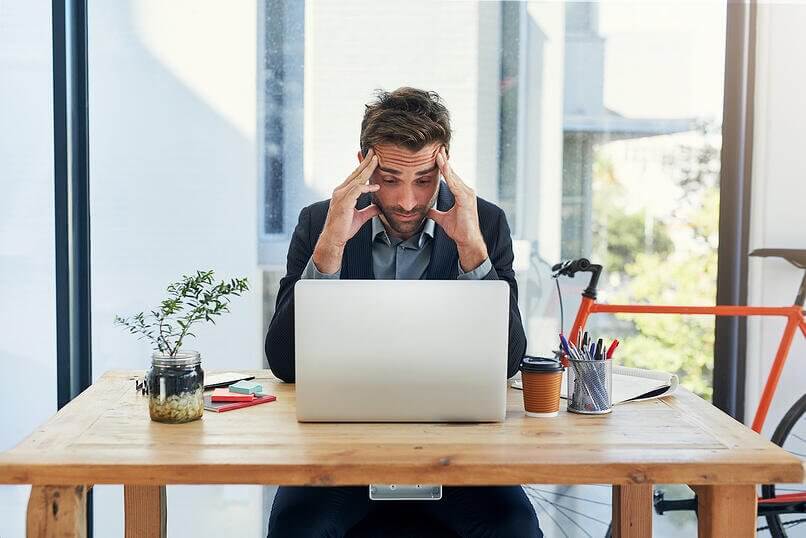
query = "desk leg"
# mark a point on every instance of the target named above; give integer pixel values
(57, 511)
(632, 511)
(146, 514)
(726, 511)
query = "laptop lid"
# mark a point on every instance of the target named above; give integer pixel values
(401, 350)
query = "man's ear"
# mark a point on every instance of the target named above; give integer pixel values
(360, 156)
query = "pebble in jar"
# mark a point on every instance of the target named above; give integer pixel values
(176, 387)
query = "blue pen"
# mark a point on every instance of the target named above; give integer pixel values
(564, 343)
(592, 350)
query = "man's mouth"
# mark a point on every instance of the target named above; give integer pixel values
(405, 217)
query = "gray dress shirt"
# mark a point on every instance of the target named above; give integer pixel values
(397, 259)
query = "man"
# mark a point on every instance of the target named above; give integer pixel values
(393, 218)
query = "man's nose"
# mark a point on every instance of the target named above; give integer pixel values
(407, 200)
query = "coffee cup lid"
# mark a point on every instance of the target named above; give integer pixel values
(542, 365)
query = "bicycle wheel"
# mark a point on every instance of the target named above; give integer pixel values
(572, 511)
(791, 436)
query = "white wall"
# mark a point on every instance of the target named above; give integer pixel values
(27, 280)
(174, 188)
(778, 198)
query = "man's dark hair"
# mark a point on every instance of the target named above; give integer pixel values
(406, 117)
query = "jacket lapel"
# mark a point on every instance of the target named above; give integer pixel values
(444, 256)
(357, 263)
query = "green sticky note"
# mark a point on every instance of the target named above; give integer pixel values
(246, 387)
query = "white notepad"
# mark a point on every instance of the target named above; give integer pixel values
(632, 384)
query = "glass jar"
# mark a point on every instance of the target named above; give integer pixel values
(175, 387)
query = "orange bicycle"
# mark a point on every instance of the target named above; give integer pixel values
(781, 504)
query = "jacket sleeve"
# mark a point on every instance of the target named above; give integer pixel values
(501, 256)
(280, 336)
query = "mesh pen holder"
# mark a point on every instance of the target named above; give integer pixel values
(590, 386)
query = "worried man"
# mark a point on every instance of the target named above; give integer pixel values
(393, 218)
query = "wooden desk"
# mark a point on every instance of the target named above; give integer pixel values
(105, 437)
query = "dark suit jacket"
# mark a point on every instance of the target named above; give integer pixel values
(357, 264)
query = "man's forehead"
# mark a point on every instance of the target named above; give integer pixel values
(395, 157)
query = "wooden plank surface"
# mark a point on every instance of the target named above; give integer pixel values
(632, 511)
(105, 436)
(57, 512)
(726, 510)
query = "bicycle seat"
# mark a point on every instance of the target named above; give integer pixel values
(796, 257)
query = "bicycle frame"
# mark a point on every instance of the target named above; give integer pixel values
(795, 320)
(793, 314)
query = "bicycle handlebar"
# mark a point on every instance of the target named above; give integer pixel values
(580, 265)
(569, 267)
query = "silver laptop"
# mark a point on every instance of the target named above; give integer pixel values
(401, 350)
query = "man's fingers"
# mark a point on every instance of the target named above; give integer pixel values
(358, 188)
(368, 212)
(367, 172)
(455, 183)
(361, 177)
(360, 168)
(453, 174)
(437, 216)
(368, 188)
(445, 168)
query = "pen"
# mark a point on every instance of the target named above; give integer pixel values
(564, 344)
(573, 349)
(612, 348)
(599, 350)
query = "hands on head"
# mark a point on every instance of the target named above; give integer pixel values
(344, 220)
(461, 222)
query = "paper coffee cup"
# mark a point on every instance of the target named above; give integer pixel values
(541, 378)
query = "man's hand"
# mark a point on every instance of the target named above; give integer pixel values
(343, 219)
(461, 222)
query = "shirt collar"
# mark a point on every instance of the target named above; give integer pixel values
(379, 229)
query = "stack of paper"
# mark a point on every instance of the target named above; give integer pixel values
(631, 384)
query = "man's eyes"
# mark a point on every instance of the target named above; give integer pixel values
(423, 181)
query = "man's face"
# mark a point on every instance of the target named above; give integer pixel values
(409, 183)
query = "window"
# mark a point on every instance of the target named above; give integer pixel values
(282, 80)
(595, 135)
(641, 151)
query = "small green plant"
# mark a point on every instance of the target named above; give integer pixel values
(194, 298)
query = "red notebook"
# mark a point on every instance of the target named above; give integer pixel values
(220, 407)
